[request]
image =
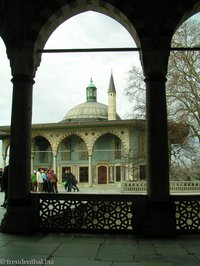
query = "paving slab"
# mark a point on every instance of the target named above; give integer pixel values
(171, 250)
(77, 250)
(116, 252)
(55, 237)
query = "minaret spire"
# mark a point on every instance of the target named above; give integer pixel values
(112, 99)
(111, 88)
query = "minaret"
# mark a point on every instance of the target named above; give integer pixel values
(111, 99)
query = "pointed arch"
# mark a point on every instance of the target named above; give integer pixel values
(67, 135)
(112, 132)
(42, 152)
(68, 10)
(72, 147)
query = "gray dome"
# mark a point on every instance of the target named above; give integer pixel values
(91, 110)
(87, 111)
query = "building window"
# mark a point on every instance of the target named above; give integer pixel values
(117, 148)
(83, 174)
(66, 150)
(143, 174)
(83, 154)
(118, 173)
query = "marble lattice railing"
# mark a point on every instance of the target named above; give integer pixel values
(110, 213)
(175, 186)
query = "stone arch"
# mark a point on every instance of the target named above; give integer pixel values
(51, 144)
(68, 10)
(113, 132)
(174, 21)
(69, 135)
(126, 15)
(42, 152)
(183, 20)
(5, 147)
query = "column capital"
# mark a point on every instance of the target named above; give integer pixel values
(154, 59)
(90, 152)
(22, 78)
(23, 61)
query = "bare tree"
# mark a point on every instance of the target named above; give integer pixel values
(183, 93)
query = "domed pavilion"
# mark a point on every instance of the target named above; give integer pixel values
(93, 141)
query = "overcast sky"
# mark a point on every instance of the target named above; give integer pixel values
(61, 79)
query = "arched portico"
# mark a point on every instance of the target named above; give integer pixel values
(154, 26)
(109, 156)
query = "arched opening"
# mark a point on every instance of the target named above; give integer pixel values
(42, 153)
(6, 93)
(72, 154)
(7, 155)
(183, 97)
(74, 70)
(109, 159)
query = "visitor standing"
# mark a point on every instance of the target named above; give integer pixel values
(34, 181)
(52, 178)
(39, 180)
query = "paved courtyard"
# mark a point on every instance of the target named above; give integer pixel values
(97, 250)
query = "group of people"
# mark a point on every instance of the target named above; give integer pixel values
(44, 180)
(70, 181)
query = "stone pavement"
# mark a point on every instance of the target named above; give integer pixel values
(97, 250)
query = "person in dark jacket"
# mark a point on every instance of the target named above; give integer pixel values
(74, 183)
(5, 185)
(68, 179)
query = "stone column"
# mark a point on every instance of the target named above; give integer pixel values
(157, 138)
(20, 143)
(159, 217)
(32, 162)
(90, 169)
(4, 162)
(18, 209)
(55, 163)
(19, 216)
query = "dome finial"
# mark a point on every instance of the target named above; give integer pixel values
(91, 80)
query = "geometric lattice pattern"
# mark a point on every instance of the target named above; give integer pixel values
(81, 212)
(188, 216)
(86, 215)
